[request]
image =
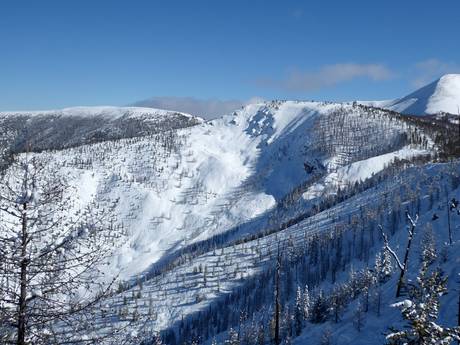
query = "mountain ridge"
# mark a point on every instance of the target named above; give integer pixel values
(440, 96)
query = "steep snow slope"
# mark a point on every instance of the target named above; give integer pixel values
(176, 188)
(442, 95)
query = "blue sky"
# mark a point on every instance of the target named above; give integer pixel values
(65, 53)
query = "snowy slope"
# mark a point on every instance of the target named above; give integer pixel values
(208, 278)
(442, 95)
(376, 325)
(182, 187)
(173, 189)
(41, 130)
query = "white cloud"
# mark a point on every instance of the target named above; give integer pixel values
(429, 70)
(205, 108)
(328, 76)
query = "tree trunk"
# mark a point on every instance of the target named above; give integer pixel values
(406, 258)
(23, 282)
(277, 299)
(448, 216)
(458, 315)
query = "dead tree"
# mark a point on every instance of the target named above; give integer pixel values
(277, 297)
(402, 266)
(448, 209)
(52, 250)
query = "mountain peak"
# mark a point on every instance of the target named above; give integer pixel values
(448, 76)
(442, 95)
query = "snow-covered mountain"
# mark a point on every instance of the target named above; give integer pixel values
(442, 95)
(220, 175)
(50, 129)
(204, 206)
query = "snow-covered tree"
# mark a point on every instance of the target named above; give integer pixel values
(421, 312)
(298, 312)
(233, 338)
(306, 303)
(320, 309)
(338, 301)
(383, 266)
(428, 245)
(157, 340)
(51, 255)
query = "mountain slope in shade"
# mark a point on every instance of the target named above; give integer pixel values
(442, 95)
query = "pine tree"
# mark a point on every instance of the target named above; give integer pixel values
(306, 303)
(233, 337)
(320, 309)
(428, 246)
(421, 312)
(383, 266)
(338, 302)
(298, 313)
(358, 317)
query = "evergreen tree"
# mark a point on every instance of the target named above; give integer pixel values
(233, 337)
(421, 312)
(298, 313)
(338, 302)
(320, 309)
(306, 303)
(428, 246)
(383, 266)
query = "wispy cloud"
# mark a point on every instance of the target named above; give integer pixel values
(327, 76)
(297, 13)
(206, 108)
(429, 70)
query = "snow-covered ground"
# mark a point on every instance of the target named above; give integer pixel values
(175, 189)
(358, 172)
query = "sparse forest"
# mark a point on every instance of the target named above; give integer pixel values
(167, 233)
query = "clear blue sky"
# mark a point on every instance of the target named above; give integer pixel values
(93, 52)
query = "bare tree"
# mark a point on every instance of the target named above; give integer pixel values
(402, 265)
(52, 250)
(277, 298)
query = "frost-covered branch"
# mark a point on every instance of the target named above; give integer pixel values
(391, 251)
(53, 251)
